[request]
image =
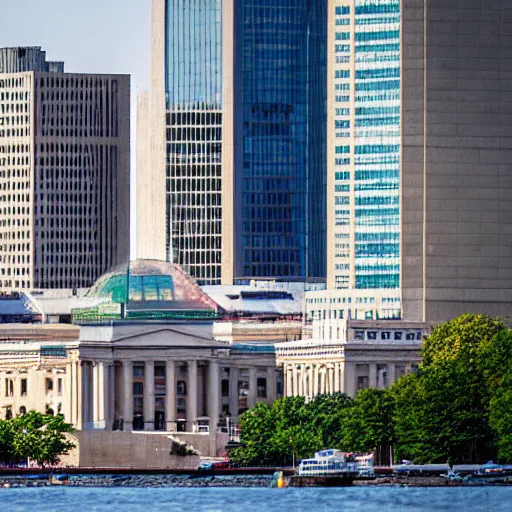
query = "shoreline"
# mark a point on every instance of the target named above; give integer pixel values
(115, 479)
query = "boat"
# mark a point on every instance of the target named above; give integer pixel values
(328, 468)
(365, 466)
(490, 473)
(59, 480)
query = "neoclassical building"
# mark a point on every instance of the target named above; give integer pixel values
(350, 355)
(142, 355)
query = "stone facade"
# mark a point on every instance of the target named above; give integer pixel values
(457, 155)
(367, 354)
(168, 377)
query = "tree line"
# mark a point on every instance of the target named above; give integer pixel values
(34, 436)
(456, 408)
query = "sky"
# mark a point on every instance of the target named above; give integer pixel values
(90, 36)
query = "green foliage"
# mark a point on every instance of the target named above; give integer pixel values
(496, 362)
(273, 435)
(368, 423)
(457, 408)
(443, 413)
(35, 436)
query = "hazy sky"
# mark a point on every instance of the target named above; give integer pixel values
(90, 36)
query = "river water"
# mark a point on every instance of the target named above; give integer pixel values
(367, 499)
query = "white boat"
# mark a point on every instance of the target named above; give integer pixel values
(328, 468)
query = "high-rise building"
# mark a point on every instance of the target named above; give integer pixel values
(274, 138)
(64, 173)
(233, 162)
(419, 152)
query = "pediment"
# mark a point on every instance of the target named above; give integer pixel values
(167, 337)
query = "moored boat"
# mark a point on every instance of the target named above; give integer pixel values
(329, 468)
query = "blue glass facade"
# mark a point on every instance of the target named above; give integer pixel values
(193, 84)
(367, 154)
(283, 170)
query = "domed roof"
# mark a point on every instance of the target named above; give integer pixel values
(150, 289)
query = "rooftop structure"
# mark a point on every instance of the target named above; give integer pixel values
(22, 59)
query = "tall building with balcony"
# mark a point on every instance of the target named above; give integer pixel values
(232, 163)
(64, 173)
(419, 149)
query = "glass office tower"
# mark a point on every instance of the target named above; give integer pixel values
(264, 216)
(282, 162)
(193, 88)
(364, 154)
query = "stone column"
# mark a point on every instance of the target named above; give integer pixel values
(170, 396)
(78, 386)
(55, 394)
(105, 391)
(213, 394)
(310, 384)
(111, 396)
(372, 380)
(67, 397)
(350, 379)
(299, 379)
(233, 393)
(330, 374)
(391, 373)
(342, 377)
(95, 394)
(322, 380)
(336, 377)
(128, 396)
(289, 380)
(271, 385)
(102, 385)
(149, 396)
(315, 380)
(295, 381)
(191, 395)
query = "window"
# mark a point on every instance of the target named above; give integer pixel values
(398, 335)
(225, 387)
(23, 410)
(181, 388)
(359, 335)
(138, 371)
(138, 388)
(262, 387)
(182, 405)
(243, 388)
(385, 335)
(371, 335)
(409, 336)
(362, 383)
(9, 387)
(23, 387)
(59, 386)
(49, 384)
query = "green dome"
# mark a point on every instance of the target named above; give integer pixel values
(150, 289)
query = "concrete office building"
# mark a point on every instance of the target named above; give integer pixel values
(64, 173)
(231, 164)
(419, 155)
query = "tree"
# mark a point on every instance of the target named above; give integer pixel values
(36, 436)
(496, 362)
(447, 417)
(368, 423)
